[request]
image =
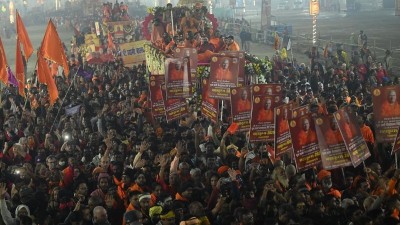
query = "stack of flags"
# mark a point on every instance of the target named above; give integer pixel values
(51, 50)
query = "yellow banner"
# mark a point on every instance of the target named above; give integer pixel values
(133, 53)
(92, 39)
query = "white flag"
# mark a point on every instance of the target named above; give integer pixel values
(289, 45)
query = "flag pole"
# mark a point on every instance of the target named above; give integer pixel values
(62, 102)
(222, 109)
(172, 23)
(291, 53)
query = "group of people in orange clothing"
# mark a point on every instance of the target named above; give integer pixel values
(190, 31)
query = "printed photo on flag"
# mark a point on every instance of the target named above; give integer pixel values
(209, 105)
(305, 142)
(177, 78)
(352, 137)
(333, 150)
(386, 110)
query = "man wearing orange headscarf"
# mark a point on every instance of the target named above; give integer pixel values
(325, 181)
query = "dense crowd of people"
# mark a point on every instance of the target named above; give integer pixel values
(98, 156)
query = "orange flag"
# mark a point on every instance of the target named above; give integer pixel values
(52, 48)
(19, 70)
(44, 73)
(23, 37)
(3, 64)
(54, 69)
(110, 41)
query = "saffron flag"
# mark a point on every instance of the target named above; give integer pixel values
(44, 73)
(3, 65)
(23, 37)
(111, 44)
(276, 41)
(19, 69)
(52, 48)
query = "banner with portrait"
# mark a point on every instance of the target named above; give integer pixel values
(265, 97)
(190, 53)
(223, 76)
(352, 137)
(333, 150)
(305, 142)
(133, 53)
(209, 106)
(121, 31)
(386, 112)
(174, 108)
(283, 141)
(300, 111)
(241, 107)
(156, 96)
(178, 80)
(92, 39)
(242, 64)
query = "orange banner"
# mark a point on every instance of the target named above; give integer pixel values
(178, 80)
(156, 97)
(265, 97)
(333, 150)
(241, 107)
(352, 136)
(242, 63)
(188, 53)
(174, 108)
(209, 106)
(223, 76)
(386, 112)
(305, 142)
(283, 142)
(300, 111)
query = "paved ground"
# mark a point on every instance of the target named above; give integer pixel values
(381, 26)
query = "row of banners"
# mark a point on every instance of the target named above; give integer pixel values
(333, 140)
(131, 52)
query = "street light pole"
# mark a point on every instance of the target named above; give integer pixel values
(314, 11)
(314, 29)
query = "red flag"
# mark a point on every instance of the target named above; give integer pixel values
(45, 74)
(52, 48)
(3, 64)
(110, 41)
(19, 70)
(23, 37)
